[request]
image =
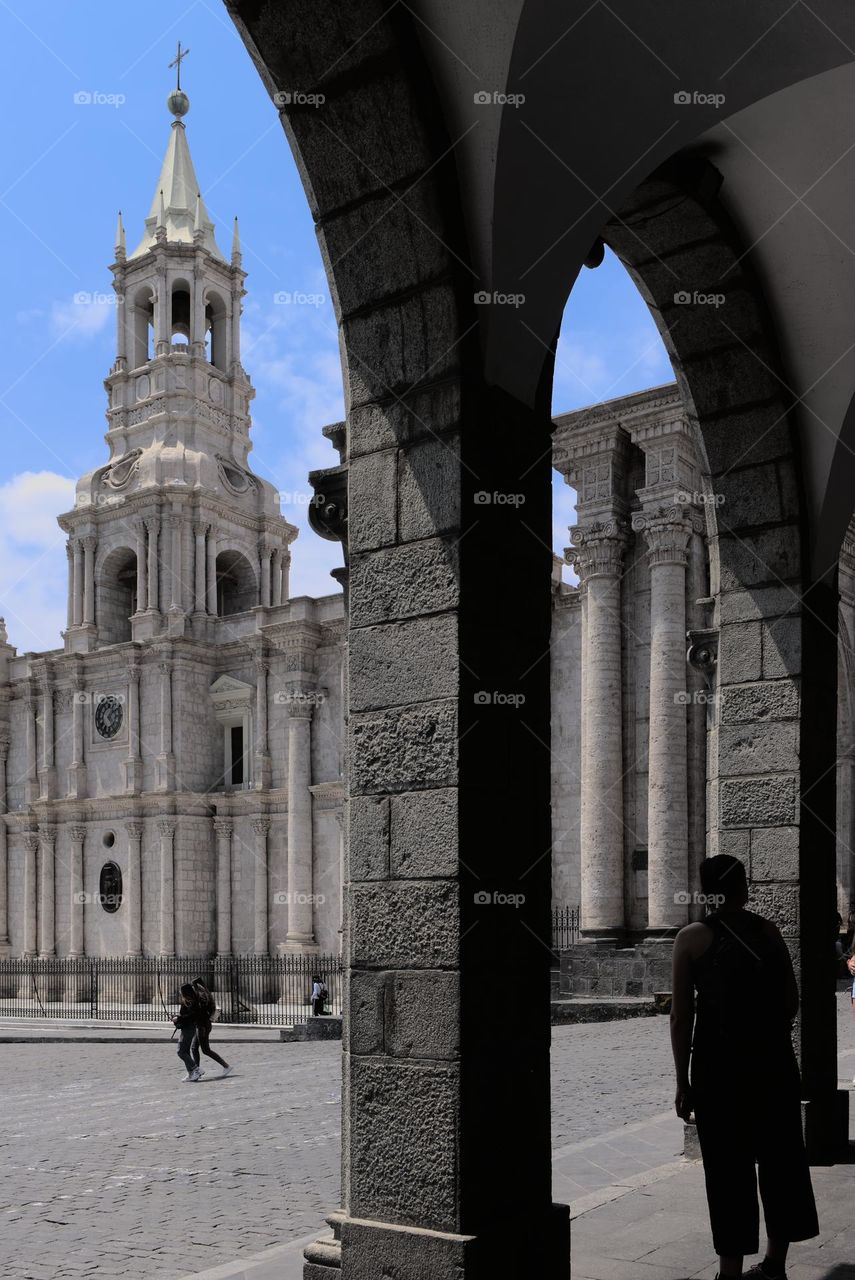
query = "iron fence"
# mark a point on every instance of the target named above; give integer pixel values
(262, 990)
(565, 927)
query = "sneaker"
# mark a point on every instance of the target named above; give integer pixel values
(758, 1271)
(226, 1071)
(195, 1075)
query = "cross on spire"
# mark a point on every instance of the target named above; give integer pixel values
(176, 62)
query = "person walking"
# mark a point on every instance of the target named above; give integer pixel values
(187, 1022)
(319, 995)
(207, 1009)
(744, 1086)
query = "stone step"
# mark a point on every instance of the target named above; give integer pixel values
(594, 1009)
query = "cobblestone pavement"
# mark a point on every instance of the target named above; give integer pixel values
(110, 1167)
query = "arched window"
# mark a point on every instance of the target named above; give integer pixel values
(237, 588)
(216, 325)
(180, 317)
(140, 324)
(116, 596)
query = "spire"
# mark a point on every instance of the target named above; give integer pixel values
(236, 255)
(120, 239)
(183, 213)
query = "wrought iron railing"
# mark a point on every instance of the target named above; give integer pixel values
(565, 927)
(262, 990)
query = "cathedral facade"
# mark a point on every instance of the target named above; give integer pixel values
(172, 776)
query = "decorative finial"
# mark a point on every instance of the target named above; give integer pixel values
(236, 257)
(178, 102)
(4, 638)
(198, 229)
(120, 238)
(160, 225)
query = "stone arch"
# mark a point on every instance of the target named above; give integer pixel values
(115, 595)
(141, 326)
(237, 584)
(180, 310)
(217, 328)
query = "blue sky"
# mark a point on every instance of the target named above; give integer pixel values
(83, 98)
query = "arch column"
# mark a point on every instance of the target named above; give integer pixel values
(599, 550)
(153, 526)
(276, 577)
(89, 544)
(211, 585)
(300, 936)
(133, 763)
(77, 945)
(77, 768)
(133, 896)
(77, 572)
(165, 762)
(199, 597)
(261, 910)
(69, 555)
(667, 532)
(262, 754)
(47, 890)
(166, 829)
(142, 566)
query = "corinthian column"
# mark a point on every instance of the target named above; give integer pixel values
(46, 771)
(598, 551)
(47, 885)
(142, 576)
(133, 895)
(133, 763)
(153, 527)
(77, 769)
(223, 830)
(166, 827)
(165, 763)
(89, 580)
(667, 532)
(32, 711)
(77, 569)
(31, 848)
(300, 936)
(199, 531)
(260, 826)
(262, 756)
(76, 947)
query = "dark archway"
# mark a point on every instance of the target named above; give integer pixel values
(116, 595)
(237, 587)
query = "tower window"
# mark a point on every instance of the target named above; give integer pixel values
(236, 778)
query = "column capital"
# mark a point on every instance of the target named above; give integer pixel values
(260, 826)
(77, 833)
(667, 531)
(166, 826)
(201, 527)
(223, 827)
(47, 833)
(89, 542)
(135, 829)
(301, 702)
(134, 672)
(31, 841)
(4, 749)
(598, 548)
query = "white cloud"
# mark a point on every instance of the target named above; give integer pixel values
(33, 580)
(83, 316)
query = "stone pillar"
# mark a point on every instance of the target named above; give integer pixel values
(174, 526)
(89, 544)
(47, 886)
(133, 891)
(199, 531)
(300, 936)
(4, 859)
(153, 527)
(77, 554)
(165, 762)
(77, 946)
(32, 723)
(69, 555)
(133, 763)
(166, 828)
(77, 769)
(31, 848)
(261, 915)
(142, 575)
(46, 772)
(211, 585)
(667, 532)
(265, 554)
(223, 831)
(276, 578)
(262, 756)
(286, 576)
(599, 549)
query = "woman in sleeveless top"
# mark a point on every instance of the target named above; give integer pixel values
(744, 1084)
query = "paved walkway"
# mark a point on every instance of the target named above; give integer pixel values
(110, 1168)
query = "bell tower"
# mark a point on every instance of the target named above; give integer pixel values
(175, 531)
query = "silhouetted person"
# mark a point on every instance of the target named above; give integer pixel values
(745, 1088)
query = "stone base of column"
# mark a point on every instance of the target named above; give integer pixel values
(76, 782)
(81, 639)
(47, 783)
(665, 935)
(133, 777)
(145, 625)
(201, 625)
(299, 944)
(261, 774)
(363, 1250)
(176, 622)
(164, 773)
(603, 937)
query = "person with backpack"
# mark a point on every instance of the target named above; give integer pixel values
(744, 1086)
(320, 993)
(207, 1009)
(187, 1021)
